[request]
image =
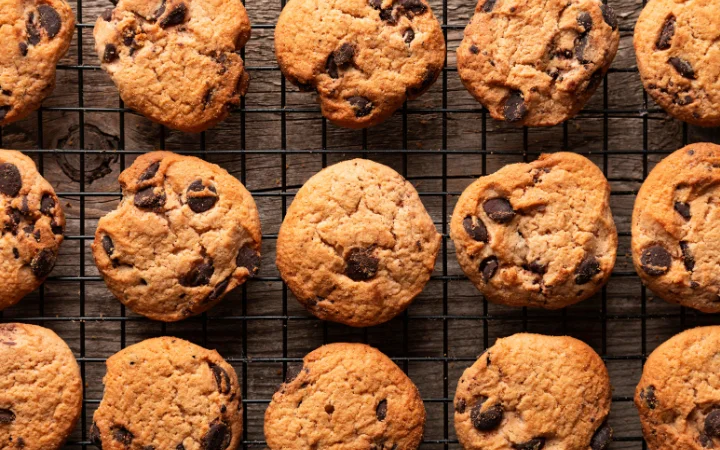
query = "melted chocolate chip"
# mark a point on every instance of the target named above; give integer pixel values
(532, 444)
(460, 406)
(412, 7)
(122, 435)
(655, 260)
(381, 410)
(683, 209)
(150, 172)
(602, 438)
(6, 416)
(95, 436)
(344, 55)
(688, 258)
(49, 20)
(32, 30)
(609, 16)
(488, 267)
(361, 264)
(408, 36)
(486, 420)
(712, 423)
(110, 54)
(331, 67)
(47, 204)
(648, 395)
(499, 209)
(248, 259)
(204, 202)
(361, 105)
(218, 291)
(175, 17)
(667, 32)
(56, 229)
(222, 379)
(515, 108)
(588, 268)
(160, 11)
(488, 6)
(148, 198)
(199, 275)
(584, 19)
(10, 179)
(108, 245)
(13, 220)
(218, 437)
(683, 67)
(23, 51)
(43, 263)
(387, 15)
(475, 228)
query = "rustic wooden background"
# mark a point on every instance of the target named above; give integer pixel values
(448, 142)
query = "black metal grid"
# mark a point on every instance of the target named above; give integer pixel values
(447, 325)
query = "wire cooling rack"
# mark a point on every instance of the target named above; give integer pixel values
(83, 137)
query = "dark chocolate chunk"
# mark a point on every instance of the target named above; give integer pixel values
(609, 16)
(180, 447)
(712, 423)
(683, 209)
(499, 209)
(361, 264)
(474, 49)
(49, 20)
(688, 258)
(408, 35)
(108, 245)
(584, 19)
(536, 267)
(344, 55)
(150, 172)
(331, 67)
(683, 67)
(602, 438)
(648, 395)
(388, 15)
(149, 198)
(655, 260)
(13, 220)
(249, 259)
(160, 11)
(122, 435)
(199, 275)
(23, 51)
(43, 263)
(47, 204)
(218, 437)
(488, 267)
(95, 436)
(532, 444)
(6, 416)
(515, 108)
(361, 105)
(16, 253)
(475, 228)
(486, 420)
(56, 229)
(587, 269)
(705, 441)
(129, 37)
(683, 99)
(175, 17)
(667, 32)
(219, 290)
(460, 406)
(204, 202)
(110, 54)
(381, 410)
(222, 379)
(488, 6)
(33, 33)
(412, 7)
(10, 179)
(207, 97)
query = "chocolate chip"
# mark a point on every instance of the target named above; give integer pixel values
(683, 99)
(460, 406)
(218, 437)
(14, 218)
(587, 269)
(488, 6)
(712, 423)
(683, 67)
(199, 274)
(412, 7)
(122, 435)
(381, 410)
(683, 209)
(174, 17)
(16, 253)
(56, 229)
(474, 49)
(648, 395)
(667, 32)
(428, 79)
(688, 258)
(515, 108)
(499, 209)
(609, 16)
(488, 267)
(532, 444)
(584, 20)
(43, 263)
(10, 179)
(602, 438)
(595, 79)
(249, 259)
(150, 172)
(218, 291)
(6, 416)
(331, 67)
(536, 267)
(95, 436)
(222, 379)
(148, 198)
(408, 35)
(361, 264)
(129, 37)
(387, 15)
(32, 30)
(486, 420)
(344, 55)
(361, 105)
(201, 203)
(655, 260)
(475, 228)
(376, 4)
(107, 15)
(23, 50)
(160, 11)
(108, 245)
(180, 447)
(47, 203)
(705, 441)
(49, 20)
(110, 54)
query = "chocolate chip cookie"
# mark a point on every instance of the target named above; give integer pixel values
(40, 388)
(185, 234)
(357, 245)
(539, 234)
(34, 35)
(346, 396)
(167, 393)
(536, 62)
(32, 227)
(364, 58)
(177, 62)
(678, 396)
(529, 392)
(675, 239)
(679, 60)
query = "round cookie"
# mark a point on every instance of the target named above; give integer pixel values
(40, 388)
(675, 233)
(167, 393)
(536, 62)
(678, 397)
(345, 397)
(177, 62)
(364, 58)
(679, 60)
(539, 234)
(34, 35)
(185, 234)
(32, 222)
(357, 245)
(529, 392)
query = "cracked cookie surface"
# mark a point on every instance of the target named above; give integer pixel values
(675, 239)
(538, 234)
(34, 35)
(346, 397)
(532, 392)
(177, 62)
(676, 45)
(537, 62)
(364, 58)
(167, 393)
(357, 244)
(32, 227)
(185, 233)
(40, 388)
(678, 396)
